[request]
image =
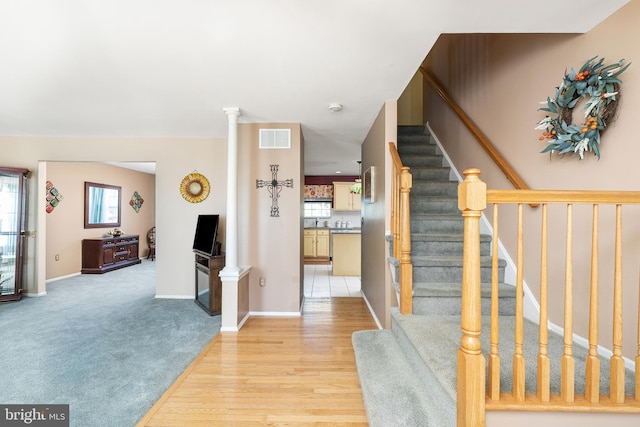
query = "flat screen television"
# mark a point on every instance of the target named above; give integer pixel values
(206, 236)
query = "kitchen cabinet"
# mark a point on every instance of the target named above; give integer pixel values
(109, 253)
(316, 243)
(344, 199)
(346, 254)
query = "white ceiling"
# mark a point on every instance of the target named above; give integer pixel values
(167, 68)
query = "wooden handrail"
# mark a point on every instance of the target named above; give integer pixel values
(401, 183)
(482, 139)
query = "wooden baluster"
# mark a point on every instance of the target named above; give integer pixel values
(494, 358)
(567, 370)
(406, 269)
(592, 386)
(616, 392)
(544, 363)
(393, 209)
(472, 200)
(637, 371)
(518, 356)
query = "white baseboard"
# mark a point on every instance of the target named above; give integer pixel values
(373, 314)
(275, 313)
(54, 279)
(174, 296)
(31, 294)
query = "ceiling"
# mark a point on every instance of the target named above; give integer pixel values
(167, 68)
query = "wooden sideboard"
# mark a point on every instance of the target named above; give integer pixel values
(109, 253)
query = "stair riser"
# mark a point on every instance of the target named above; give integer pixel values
(423, 161)
(440, 226)
(411, 130)
(450, 274)
(444, 248)
(434, 188)
(439, 173)
(419, 149)
(426, 205)
(453, 305)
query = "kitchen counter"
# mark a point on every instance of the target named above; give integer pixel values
(346, 252)
(337, 230)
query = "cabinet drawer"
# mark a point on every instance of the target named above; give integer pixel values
(322, 232)
(121, 256)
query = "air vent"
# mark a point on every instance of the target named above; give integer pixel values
(275, 138)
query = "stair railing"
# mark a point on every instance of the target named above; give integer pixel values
(482, 139)
(473, 398)
(401, 183)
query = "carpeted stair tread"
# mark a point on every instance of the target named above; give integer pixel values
(436, 339)
(393, 394)
(431, 289)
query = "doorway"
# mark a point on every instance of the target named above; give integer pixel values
(62, 229)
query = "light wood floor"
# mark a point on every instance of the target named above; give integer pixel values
(274, 371)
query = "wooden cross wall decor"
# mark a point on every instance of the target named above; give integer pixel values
(275, 187)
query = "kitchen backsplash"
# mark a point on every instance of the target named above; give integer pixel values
(353, 217)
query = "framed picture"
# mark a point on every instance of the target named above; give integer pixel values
(369, 186)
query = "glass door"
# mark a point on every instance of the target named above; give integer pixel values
(12, 226)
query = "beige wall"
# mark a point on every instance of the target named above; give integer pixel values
(410, 103)
(376, 277)
(65, 225)
(499, 81)
(271, 245)
(175, 217)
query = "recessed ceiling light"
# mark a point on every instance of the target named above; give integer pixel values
(338, 171)
(335, 107)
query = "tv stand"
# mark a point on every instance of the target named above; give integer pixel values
(208, 283)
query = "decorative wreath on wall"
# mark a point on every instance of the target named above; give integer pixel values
(194, 187)
(597, 83)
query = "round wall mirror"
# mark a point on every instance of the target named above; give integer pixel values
(194, 187)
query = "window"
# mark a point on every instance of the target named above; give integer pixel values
(317, 209)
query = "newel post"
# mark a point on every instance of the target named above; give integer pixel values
(472, 200)
(406, 269)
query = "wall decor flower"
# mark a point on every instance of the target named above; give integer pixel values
(136, 201)
(594, 82)
(194, 187)
(53, 197)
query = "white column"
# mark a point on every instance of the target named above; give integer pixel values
(231, 265)
(235, 280)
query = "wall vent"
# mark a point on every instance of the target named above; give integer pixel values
(275, 138)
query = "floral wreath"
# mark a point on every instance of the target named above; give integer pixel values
(600, 85)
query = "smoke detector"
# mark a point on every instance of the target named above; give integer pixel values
(335, 107)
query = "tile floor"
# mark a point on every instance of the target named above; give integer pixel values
(319, 283)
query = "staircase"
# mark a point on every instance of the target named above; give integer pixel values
(437, 233)
(408, 374)
(411, 369)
